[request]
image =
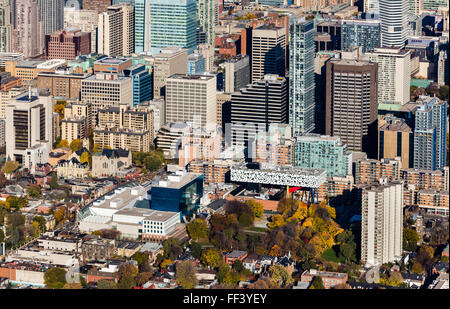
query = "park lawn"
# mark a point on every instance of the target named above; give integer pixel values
(330, 255)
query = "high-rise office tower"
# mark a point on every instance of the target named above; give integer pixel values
(192, 98)
(351, 103)
(268, 51)
(430, 134)
(364, 33)
(255, 107)
(171, 60)
(236, 73)
(394, 74)
(394, 22)
(6, 27)
(173, 23)
(104, 90)
(206, 12)
(142, 26)
(27, 35)
(29, 124)
(51, 13)
(382, 223)
(301, 77)
(116, 30)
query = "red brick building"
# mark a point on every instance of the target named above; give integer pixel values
(329, 279)
(67, 44)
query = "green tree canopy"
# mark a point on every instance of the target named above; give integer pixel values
(186, 274)
(104, 284)
(410, 239)
(198, 229)
(211, 257)
(55, 278)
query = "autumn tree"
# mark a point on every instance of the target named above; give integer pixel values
(85, 157)
(76, 145)
(34, 191)
(172, 248)
(2, 180)
(10, 167)
(280, 274)
(126, 282)
(211, 257)
(63, 144)
(143, 278)
(55, 278)
(198, 229)
(105, 284)
(185, 273)
(410, 239)
(258, 208)
(54, 181)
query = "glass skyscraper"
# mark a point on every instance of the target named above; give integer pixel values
(141, 26)
(364, 33)
(301, 77)
(173, 23)
(430, 134)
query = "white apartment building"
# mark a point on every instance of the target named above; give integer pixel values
(192, 98)
(76, 122)
(116, 30)
(394, 74)
(382, 223)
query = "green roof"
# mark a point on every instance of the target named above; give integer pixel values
(422, 83)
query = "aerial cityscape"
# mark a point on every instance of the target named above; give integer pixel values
(224, 145)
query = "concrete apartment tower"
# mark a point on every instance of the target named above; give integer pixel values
(51, 14)
(6, 27)
(27, 35)
(394, 74)
(382, 223)
(116, 30)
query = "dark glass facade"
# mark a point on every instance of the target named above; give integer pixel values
(185, 199)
